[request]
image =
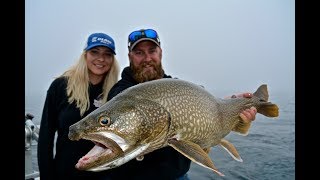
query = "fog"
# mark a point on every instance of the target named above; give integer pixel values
(228, 46)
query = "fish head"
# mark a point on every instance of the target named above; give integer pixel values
(122, 129)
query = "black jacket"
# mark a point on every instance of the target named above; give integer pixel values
(57, 116)
(164, 164)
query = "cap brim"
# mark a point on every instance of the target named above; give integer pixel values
(143, 39)
(95, 45)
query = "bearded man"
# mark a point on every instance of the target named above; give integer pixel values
(145, 56)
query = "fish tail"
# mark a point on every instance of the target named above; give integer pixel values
(262, 93)
(263, 107)
(266, 108)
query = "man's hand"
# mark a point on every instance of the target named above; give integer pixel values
(247, 115)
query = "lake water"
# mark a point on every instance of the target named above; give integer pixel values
(268, 151)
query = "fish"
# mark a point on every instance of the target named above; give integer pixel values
(165, 112)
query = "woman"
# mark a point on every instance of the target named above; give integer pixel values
(70, 97)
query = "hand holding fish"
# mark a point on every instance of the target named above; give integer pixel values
(247, 115)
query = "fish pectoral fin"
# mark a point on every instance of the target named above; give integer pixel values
(194, 152)
(231, 149)
(242, 127)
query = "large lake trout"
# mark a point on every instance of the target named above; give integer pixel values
(165, 112)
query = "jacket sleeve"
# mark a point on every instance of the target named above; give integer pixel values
(46, 137)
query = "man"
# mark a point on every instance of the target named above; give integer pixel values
(145, 56)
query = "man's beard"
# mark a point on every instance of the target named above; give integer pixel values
(141, 76)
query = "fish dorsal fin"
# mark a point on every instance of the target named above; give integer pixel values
(262, 93)
(194, 152)
(229, 147)
(242, 127)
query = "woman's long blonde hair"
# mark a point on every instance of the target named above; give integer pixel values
(78, 83)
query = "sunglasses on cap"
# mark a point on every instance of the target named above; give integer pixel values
(142, 34)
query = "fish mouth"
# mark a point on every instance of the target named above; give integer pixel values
(109, 151)
(107, 147)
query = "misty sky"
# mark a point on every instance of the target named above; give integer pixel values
(225, 45)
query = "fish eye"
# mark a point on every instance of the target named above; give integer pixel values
(105, 120)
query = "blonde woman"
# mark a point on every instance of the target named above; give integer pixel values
(70, 97)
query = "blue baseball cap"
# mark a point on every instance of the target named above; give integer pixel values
(100, 39)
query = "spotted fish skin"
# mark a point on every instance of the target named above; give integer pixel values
(166, 112)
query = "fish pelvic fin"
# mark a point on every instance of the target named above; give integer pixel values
(194, 152)
(231, 149)
(266, 108)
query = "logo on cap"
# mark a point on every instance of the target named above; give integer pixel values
(101, 40)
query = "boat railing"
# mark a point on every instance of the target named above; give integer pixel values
(31, 134)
